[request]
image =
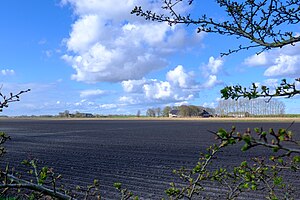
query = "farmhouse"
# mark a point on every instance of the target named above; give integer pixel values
(88, 115)
(174, 113)
(239, 114)
(205, 114)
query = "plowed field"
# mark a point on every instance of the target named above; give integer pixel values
(140, 154)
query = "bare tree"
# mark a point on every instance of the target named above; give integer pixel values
(255, 107)
(150, 112)
(138, 114)
(158, 111)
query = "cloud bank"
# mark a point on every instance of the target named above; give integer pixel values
(179, 86)
(108, 44)
(282, 62)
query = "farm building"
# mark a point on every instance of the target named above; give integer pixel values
(174, 113)
(238, 114)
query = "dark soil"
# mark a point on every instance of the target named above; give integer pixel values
(139, 154)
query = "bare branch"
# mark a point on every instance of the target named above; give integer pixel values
(259, 21)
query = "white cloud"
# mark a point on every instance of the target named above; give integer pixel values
(181, 103)
(108, 106)
(179, 86)
(84, 33)
(109, 8)
(278, 62)
(210, 72)
(211, 82)
(214, 65)
(209, 105)
(81, 102)
(284, 65)
(158, 90)
(113, 65)
(108, 44)
(133, 85)
(7, 72)
(91, 93)
(272, 82)
(179, 77)
(256, 60)
(129, 100)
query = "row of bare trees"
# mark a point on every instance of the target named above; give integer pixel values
(257, 107)
(183, 111)
(253, 107)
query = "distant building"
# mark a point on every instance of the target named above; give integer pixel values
(205, 114)
(76, 115)
(88, 115)
(238, 114)
(174, 113)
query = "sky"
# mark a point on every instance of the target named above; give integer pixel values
(94, 56)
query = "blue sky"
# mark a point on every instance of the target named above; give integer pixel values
(93, 56)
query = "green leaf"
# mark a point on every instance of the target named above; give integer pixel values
(264, 133)
(257, 130)
(207, 156)
(277, 180)
(296, 159)
(222, 133)
(275, 149)
(244, 164)
(246, 185)
(280, 160)
(282, 131)
(43, 175)
(172, 191)
(25, 162)
(253, 187)
(118, 186)
(282, 138)
(247, 139)
(245, 147)
(96, 182)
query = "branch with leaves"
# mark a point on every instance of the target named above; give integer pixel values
(13, 181)
(194, 177)
(125, 193)
(3, 139)
(261, 176)
(285, 89)
(9, 99)
(43, 184)
(259, 21)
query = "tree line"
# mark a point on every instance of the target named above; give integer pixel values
(254, 107)
(183, 111)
